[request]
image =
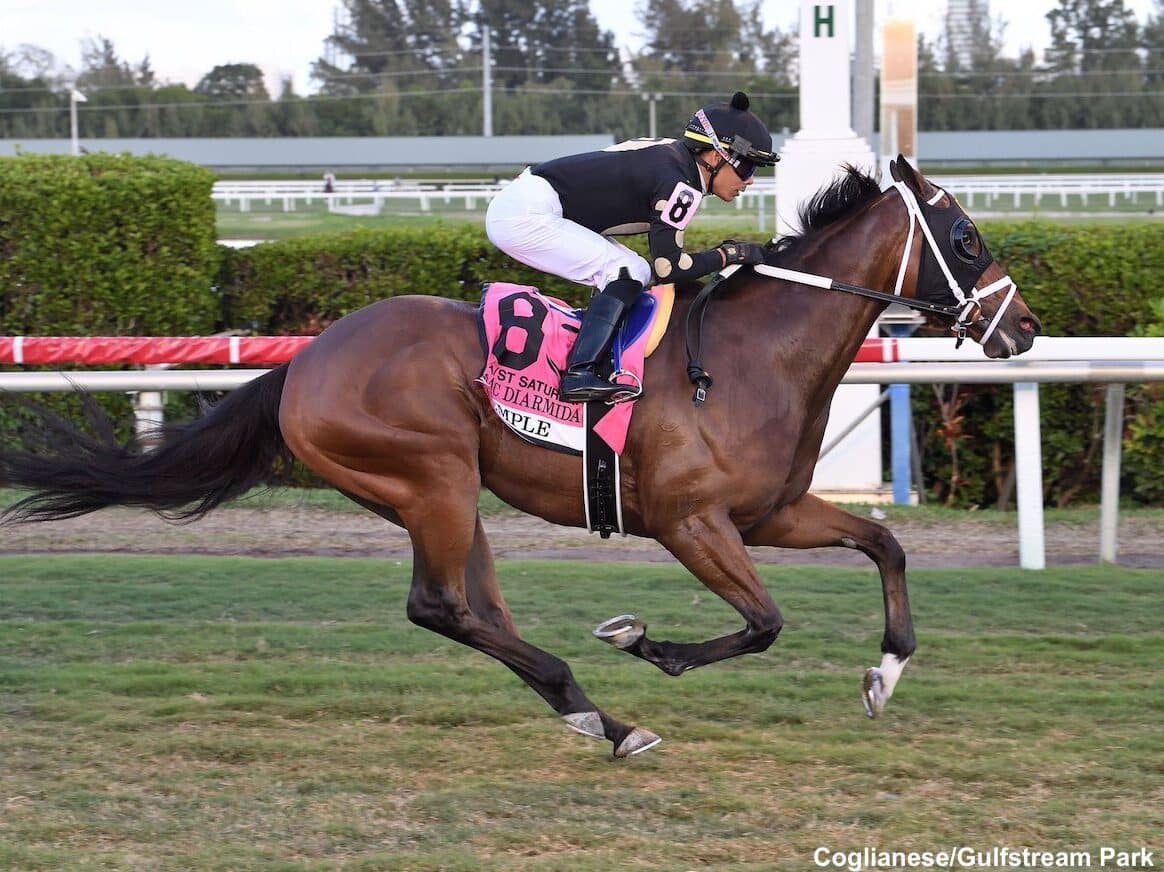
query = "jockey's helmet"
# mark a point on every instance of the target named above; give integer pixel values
(733, 132)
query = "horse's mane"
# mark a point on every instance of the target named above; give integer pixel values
(853, 189)
(848, 193)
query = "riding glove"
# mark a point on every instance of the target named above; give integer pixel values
(734, 251)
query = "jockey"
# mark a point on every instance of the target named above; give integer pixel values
(558, 217)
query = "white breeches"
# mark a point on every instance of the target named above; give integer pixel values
(525, 221)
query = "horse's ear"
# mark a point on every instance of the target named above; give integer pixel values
(912, 178)
(893, 171)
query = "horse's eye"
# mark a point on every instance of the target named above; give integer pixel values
(966, 242)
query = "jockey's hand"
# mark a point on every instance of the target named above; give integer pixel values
(734, 251)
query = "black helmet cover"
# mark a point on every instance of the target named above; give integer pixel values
(731, 131)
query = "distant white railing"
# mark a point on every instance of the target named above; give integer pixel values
(373, 192)
(974, 191)
(989, 190)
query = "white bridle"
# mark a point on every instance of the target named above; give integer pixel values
(968, 303)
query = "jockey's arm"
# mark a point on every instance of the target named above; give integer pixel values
(669, 261)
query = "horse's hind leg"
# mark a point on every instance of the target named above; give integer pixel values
(454, 585)
(443, 546)
(811, 522)
(481, 587)
(711, 549)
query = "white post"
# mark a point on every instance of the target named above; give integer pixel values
(1028, 450)
(486, 84)
(863, 72)
(813, 157)
(809, 161)
(75, 97)
(652, 114)
(149, 414)
(1109, 507)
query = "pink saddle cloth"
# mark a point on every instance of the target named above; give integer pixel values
(527, 338)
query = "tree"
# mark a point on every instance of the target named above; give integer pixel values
(1092, 35)
(973, 86)
(30, 62)
(726, 48)
(381, 42)
(400, 67)
(977, 43)
(233, 82)
(102, 68)
(698, 36)
(27, 95)
(1094, 55)
(772, 51)
(552, 62)
(546, 41)
(1152, 38)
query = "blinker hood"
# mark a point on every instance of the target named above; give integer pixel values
(966, 254)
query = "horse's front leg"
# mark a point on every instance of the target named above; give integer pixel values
(811, 522)
(711, 549)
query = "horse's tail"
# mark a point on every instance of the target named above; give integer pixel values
(199, 464)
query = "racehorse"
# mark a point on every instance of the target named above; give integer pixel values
(385, 406)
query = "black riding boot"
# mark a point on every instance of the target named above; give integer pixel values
(580, 382)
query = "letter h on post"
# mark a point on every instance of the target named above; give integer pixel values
(822, 20)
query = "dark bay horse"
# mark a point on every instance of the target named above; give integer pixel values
(385, 406)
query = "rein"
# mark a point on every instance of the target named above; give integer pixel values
(959, 311)
(803, 278)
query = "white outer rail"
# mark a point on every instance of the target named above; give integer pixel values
(132, 380)
(998, 372)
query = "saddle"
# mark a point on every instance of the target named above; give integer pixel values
(527, 338)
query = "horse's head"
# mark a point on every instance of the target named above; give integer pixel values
(955, 268)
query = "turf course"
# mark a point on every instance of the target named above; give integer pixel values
(233, 713)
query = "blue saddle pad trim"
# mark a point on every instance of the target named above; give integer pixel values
(634, 325)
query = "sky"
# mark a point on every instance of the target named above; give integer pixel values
(185, 40)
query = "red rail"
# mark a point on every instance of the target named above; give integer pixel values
(150, 349)
(251, 350)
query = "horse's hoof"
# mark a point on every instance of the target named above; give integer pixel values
(621, 632)
(586, 723)
(637, 741)
(873, 692)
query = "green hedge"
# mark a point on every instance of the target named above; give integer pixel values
(302, 285)
(106, 244)
(1095, 279)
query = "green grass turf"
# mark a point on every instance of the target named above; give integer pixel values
(231, 713)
